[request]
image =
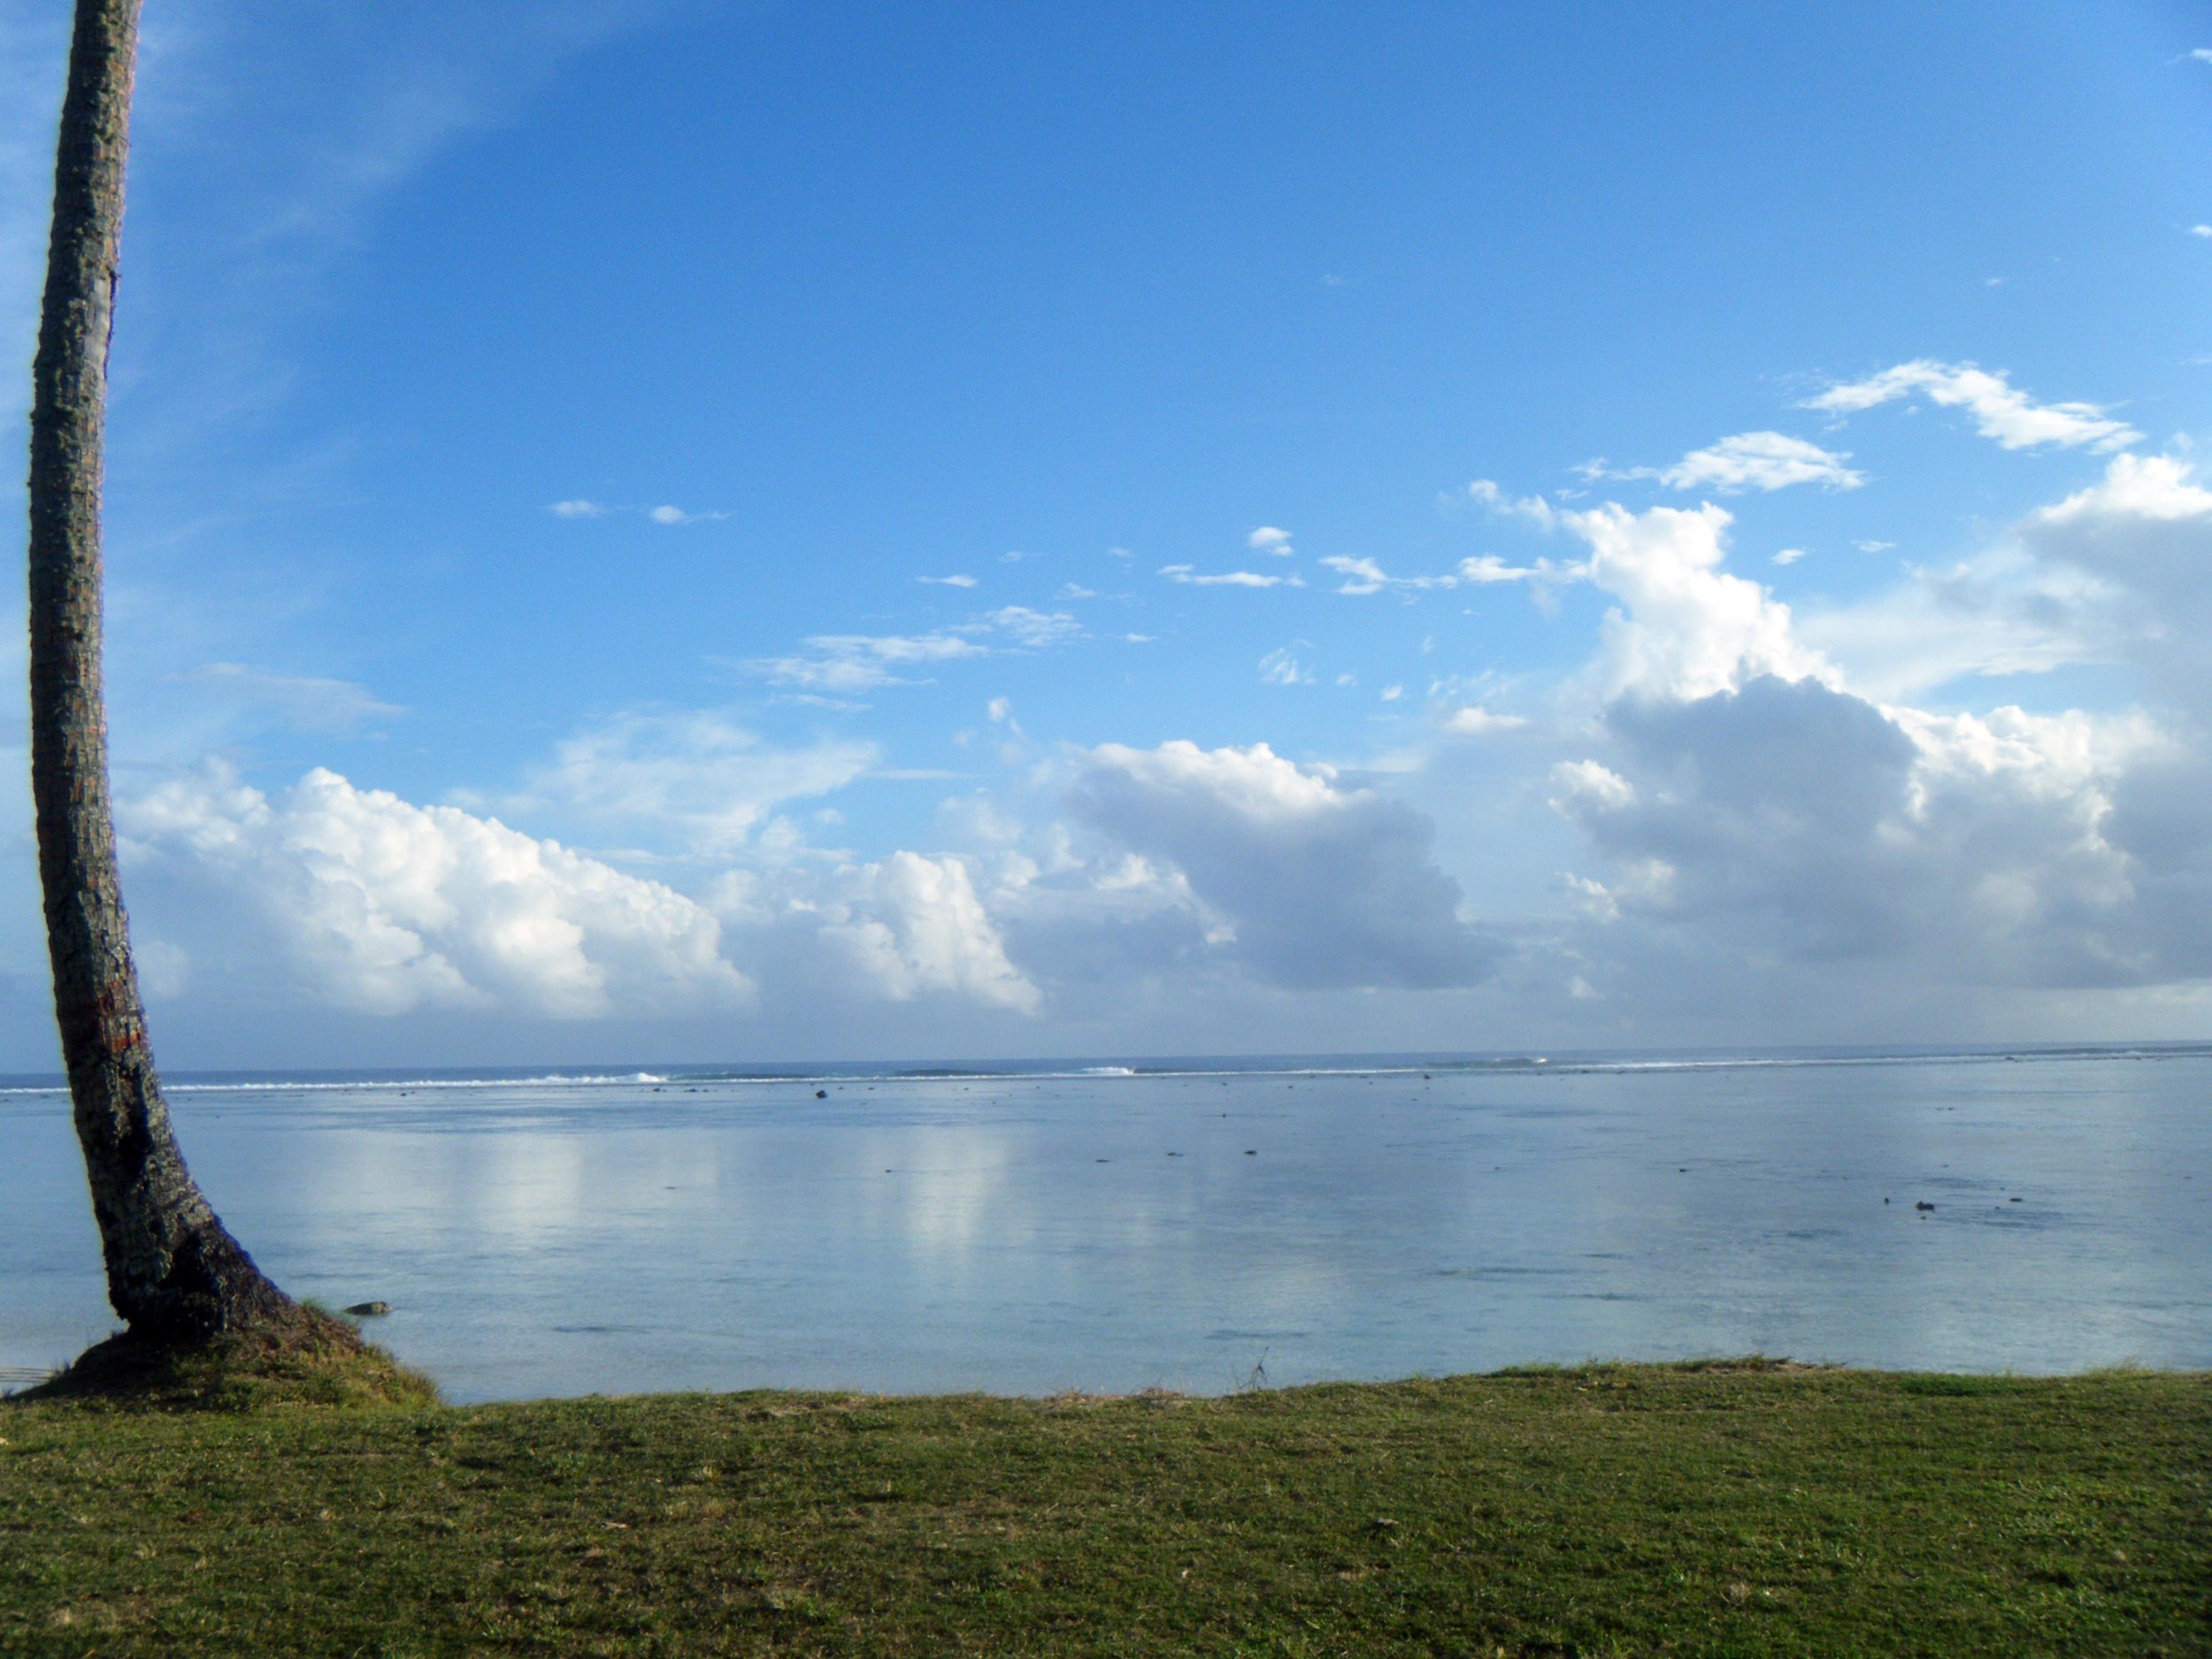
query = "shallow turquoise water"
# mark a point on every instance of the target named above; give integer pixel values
(1198, 1232)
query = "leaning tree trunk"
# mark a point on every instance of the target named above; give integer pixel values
(173, 1273)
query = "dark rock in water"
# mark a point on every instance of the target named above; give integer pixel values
(821, 1094)
(1923, 1204)
(370, 1309)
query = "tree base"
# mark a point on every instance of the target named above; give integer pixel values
(302, 1357)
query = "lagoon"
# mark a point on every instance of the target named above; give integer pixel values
(1200, 1227)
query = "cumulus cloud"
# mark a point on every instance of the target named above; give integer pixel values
(2000, 410)
(2144, 528)
(1279, 667)
(1267, 539)
(1687, 627)
(1799, 819)
(1316, 885)
(912, 926)
(2099, 577)
(358, 900)
(1772, 808)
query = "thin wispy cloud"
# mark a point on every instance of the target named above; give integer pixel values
(946, 581)
(1477, 721)
(845, 664)
(1364, 576)
(1190, 577)
(2001, 410)
(1764, 461)
(666, 514)
(306, 703)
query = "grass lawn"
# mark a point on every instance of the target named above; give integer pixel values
(1746, 1510)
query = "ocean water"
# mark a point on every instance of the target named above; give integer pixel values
(1189, 1226)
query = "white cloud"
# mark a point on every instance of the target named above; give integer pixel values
(1788, 555)
(1364, 576)
(947, 581)
(1535, 508)
(1316, 885)
(1807, 824)
(1476, 721)
(914, 925)
(1585, 785)
(1031, 629)
(2200, 230)
(690, 779)
(1762, 461)
(1749, 460)
(863, 662)
(661, 515)
(358, 900)
(1267, 539)
(1485, 568)
(852, 663)
(2000, 410)
(1189, 576)
(1391, 693)
(1689, 628)
(1279, 667)
(2000, 612)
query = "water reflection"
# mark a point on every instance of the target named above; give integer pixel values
(1116, 1232)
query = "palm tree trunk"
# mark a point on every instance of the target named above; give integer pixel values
(173, 1273)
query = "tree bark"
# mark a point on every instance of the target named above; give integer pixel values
(173, 1273)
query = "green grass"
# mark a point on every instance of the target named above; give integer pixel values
(1746, 1510)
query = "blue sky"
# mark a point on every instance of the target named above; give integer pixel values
(694, 530)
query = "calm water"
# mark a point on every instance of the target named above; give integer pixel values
(1030, 1233)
